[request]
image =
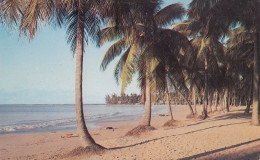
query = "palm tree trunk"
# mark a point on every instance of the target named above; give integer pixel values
(142, 100)
(227, 99)
(148, 104)
(248, 101)
(210, 103)
(194, 99)
(216, 102)
(169, 101)
(84, 135)
(250, 96)
(256, 105)
(221, 102)
(186, 100)
(255, 114)
(204, 112)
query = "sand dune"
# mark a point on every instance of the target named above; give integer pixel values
(222, 136)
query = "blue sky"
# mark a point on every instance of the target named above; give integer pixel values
(43, 71)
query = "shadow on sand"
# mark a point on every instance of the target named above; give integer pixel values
(230, 115)
(144, 142)
(254, 154)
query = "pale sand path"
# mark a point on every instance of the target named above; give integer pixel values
(222, 136)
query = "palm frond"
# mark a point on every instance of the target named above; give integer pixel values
(36, 13)
(120, 64)
(129, 68)
(113, 33)
(168, 14)
(91, 26)
(115, 50)
(11, 11)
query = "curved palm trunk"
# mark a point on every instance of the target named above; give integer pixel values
(186, 100)
(189, 104)
(148, 104)
(255, 114)
(84, 135)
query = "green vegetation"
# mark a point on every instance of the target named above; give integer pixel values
(123, 99)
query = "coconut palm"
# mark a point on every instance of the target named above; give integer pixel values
(207, 59)
(169, 71)
(247, 13)
(241, 49)
(82, 23)
(139, 44)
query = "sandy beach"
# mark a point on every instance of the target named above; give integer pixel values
(221, 136)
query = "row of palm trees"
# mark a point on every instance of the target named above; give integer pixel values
(123, 99)
(190, 57)
(218, 17)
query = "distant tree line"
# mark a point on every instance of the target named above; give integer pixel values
(123, 99)
(159, 98)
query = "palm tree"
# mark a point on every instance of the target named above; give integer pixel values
(247, 13)
(139, 43)
(241, 49)
(169, 71)
(206, 61)
(81, 21)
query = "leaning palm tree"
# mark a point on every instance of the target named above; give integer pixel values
(139, 43)
(168, 73)
(247, 13)
(82, 23)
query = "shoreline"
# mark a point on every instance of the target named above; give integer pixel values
(221, 136)
(68, 123)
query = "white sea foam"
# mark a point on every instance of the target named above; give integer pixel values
(45, 118)
(22, 127)
(53, 123)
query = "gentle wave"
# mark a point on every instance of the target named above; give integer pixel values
(61, 122)
(14, 128)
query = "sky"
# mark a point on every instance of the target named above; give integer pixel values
(42, 71)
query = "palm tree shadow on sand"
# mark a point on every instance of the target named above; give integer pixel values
(155, 139)
(225, 117)
(252, 153)
(249, 153)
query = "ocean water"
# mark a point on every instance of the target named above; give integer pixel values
(52, 117)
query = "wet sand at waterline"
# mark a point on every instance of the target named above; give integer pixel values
(221, 136)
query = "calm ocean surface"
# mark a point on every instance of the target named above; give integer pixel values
(53, 117)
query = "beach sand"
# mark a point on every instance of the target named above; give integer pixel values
(221, 136)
